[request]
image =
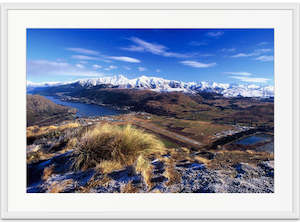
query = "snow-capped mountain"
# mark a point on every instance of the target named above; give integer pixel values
(163, 85)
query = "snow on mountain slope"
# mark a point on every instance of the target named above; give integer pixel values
(163, 85)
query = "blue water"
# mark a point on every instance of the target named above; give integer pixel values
(87, 110)
(250, 140)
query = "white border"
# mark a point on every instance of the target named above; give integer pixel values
(159, 215)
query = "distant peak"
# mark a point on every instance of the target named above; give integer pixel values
(164, 85)
(121, 76)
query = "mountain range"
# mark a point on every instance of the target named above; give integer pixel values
(164, 85)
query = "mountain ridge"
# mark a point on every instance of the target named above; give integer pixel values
(164, 85)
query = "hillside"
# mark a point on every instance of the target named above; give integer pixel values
(41, 110)
(201, 106)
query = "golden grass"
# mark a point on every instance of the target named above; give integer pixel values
(202, 160)
(93, 182)
(47, 172)
(180, 154)
(230, 157)
(38, 131)
(108, 166)
(129, 188)
(57, 187)
(71, 143)
(172, 175)
(122, 145)
(186, 150)
(36, 156)
(144, 167)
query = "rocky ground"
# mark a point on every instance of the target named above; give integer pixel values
(54, 175)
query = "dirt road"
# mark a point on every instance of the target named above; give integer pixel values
(171, 135)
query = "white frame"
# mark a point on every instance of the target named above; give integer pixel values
(295, 8)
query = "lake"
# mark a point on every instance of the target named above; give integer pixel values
(257, 138)
(87, 110)
(250, 140)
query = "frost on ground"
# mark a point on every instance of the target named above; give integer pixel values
(54, 175)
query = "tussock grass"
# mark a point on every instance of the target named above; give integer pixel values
(172, 175)
(129, 188)
(144, 167)
(72, 143)
(108, 166)
(94, 183)
(122, 145)
(47, 172)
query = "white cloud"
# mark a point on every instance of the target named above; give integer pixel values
(262, 43)
(240, 55)
(79, 66)
(105, 58)
(124, 59)
(84, 57)
(50, 63)
(157, 70)
(46, 67)
(228, 49)
(89, 58)
(262, 50)
(38, 67)
(83, 51)
(141, 69)
(250, 79)
(134, 48)
(154, 48)
(239, 73)
(215, 34)
(111, 67)
(196, 64)
(256, 52)
(126, 67)
(95, 66)
(265, 58)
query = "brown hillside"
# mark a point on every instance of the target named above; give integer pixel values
(40, 110)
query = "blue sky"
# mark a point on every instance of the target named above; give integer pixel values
(242, 56)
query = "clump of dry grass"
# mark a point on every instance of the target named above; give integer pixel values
(95, 182)
(129, 188)
(35, 156)
(122, 145)
(108, 166)
(172, 175)
(47, 172)
(58, 187)
(71, 143)
(145, 168)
